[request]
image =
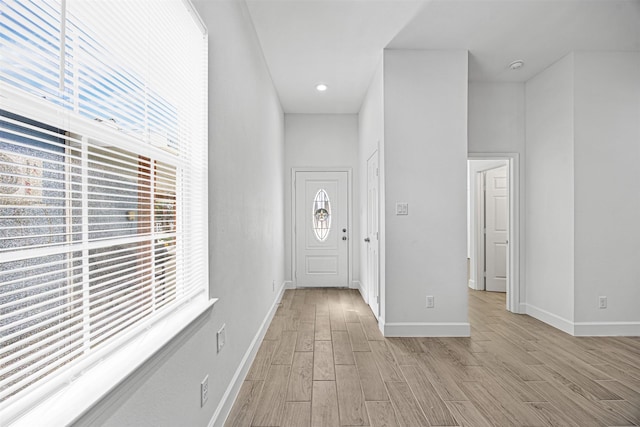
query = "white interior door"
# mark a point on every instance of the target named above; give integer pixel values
(372, 239)
(321, 229)
(496, 229)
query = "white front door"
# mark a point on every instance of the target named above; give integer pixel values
(321, 229)
(372, 239)
(496, 229)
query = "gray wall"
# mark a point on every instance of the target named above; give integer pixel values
(607, 189)
(549, 198)
(582, 118)
(425, 145)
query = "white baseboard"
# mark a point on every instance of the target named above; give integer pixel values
(420, 329)
(231, 393)
(583, 329)
(357, 285)
(472, 284)
(550, 319)
(381, 324)
(288, 284)
(607, 329)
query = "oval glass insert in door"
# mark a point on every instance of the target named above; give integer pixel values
(321, 215)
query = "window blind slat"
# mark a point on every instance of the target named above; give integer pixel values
(31, 40)
(103, 162)
(19, 353)
(49, 365)
(122, 274)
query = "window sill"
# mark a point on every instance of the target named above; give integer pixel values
(71, 402)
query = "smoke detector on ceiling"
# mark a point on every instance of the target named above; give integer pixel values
(516, 65)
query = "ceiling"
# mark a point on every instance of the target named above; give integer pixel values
(340, 42)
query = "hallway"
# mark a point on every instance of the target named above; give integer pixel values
(323, 362)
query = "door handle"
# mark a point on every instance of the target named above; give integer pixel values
(367, 239)
(344, 237)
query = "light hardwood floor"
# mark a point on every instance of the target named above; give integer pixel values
(324, 363)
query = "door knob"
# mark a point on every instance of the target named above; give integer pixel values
(344, 230)
(367, 239)
(344, 237)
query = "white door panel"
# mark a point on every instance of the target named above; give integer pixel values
(496, 229)
(321, 235)
(372, 239)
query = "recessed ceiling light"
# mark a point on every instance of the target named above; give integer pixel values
(516, 65)
(321, 87)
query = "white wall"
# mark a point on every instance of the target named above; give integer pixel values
(496, 117)
(583, 128)
(322, 140)
(425, 143)
(246, 237)
(371, 138)
(607, 187)
(550, 195)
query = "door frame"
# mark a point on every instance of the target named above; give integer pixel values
(513, 263)
(350, 232)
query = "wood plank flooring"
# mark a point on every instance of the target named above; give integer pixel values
(324, 363)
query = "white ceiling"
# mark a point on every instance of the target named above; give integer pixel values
(340, 42)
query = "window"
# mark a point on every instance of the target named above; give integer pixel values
(321, 215)
(103, 205)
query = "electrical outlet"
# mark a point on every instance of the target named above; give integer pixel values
(222, 337)
(430, 301)
(602, 302)
(204, 391)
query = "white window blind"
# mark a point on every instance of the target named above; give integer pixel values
(103, 181)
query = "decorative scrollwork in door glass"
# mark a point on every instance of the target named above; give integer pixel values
(321, 215)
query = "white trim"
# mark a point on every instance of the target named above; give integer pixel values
(515, 189)
(196, 16)
(288, 284)
(472, 284)
(361, 289)
(231, 393)
(584, 329)
(424, 329)
(351, 232)
(550, 319)
(381, 325)
(69, 404)
(607, 329)
(355, 284)
(478, 218)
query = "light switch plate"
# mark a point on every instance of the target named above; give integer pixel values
(402, 208)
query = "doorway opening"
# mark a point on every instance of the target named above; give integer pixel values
(492, 225)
